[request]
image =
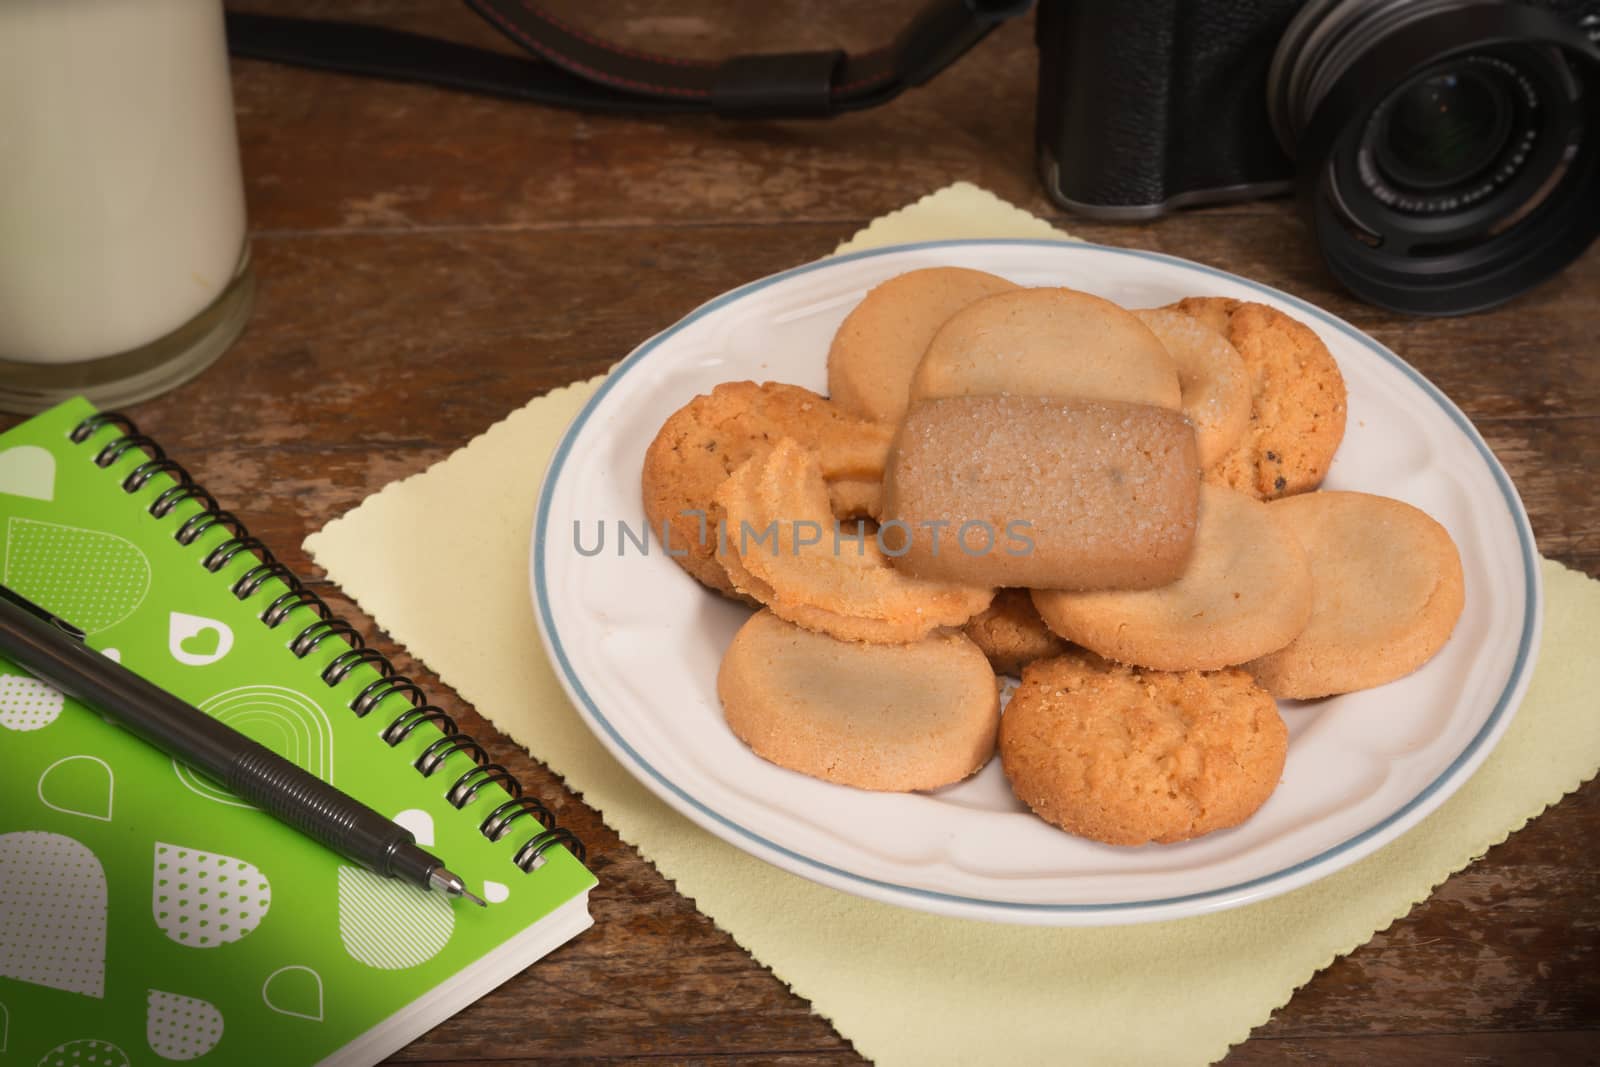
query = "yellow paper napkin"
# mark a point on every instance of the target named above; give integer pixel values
(902, 986)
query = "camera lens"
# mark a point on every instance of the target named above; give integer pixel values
(1452, 136)
(1446, 150)
(1441, 130)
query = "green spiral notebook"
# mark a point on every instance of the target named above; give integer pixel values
(146, 914)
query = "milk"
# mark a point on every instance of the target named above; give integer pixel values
(121, 203)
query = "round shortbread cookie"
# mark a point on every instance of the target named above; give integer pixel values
(887, 717)
(1127, 756)
(1212, 377)
(1298, 399)
(1386, 587)
(1011, 633)
(880, 343)
(702, 442)
(1048, 342)
(784, 548)
(1245, 592)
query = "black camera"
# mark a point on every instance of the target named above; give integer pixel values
(1446, 152)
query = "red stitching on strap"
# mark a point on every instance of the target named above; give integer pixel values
(875, 79)
(590, 39)
(861, 83)
(564, 60)
(598, 75)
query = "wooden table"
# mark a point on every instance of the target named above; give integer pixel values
(430, 261)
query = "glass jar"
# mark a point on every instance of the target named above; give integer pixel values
(124, 263)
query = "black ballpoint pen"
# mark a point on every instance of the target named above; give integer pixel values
(54, 650)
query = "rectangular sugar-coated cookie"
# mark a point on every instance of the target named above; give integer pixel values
(1042, 492)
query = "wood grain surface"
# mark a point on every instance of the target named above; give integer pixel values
(430, 261)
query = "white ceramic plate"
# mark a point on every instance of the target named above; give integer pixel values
(637, 642)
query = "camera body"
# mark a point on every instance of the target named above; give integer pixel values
(1150, 105)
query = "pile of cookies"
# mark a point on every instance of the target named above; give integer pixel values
(1119, 505)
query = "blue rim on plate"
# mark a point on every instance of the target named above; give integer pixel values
(1216, 897)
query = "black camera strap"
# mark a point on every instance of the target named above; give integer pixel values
(568, 67)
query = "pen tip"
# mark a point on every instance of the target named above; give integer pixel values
(453, 886)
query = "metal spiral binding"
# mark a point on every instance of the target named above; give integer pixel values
(402, 725)
(499, 821)
(466, 787)
(326, 625)
(308, 639)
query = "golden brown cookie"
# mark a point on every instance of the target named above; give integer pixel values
(1128, 756)
(1048, 342)
(888, 717)
(784, 549)
(1245, 592)
(1042, 492)
(1212, 377)
(1298, 399)
(1011, 633)
(880, 343)
(856, 498)
(1387, 590)
(702, 442)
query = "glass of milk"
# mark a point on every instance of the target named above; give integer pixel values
(124, 266)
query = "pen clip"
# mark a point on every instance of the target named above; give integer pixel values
(31, 608)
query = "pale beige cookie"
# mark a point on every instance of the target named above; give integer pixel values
(1298, 399)
(1387, 590)
(880, 343)
(1011, 633)
(1212, 377)
(1245, 592)
(1042, 492)
(783, 548)
(1048, 342)
(703, 441)
(1127, 756)
(887, 717)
